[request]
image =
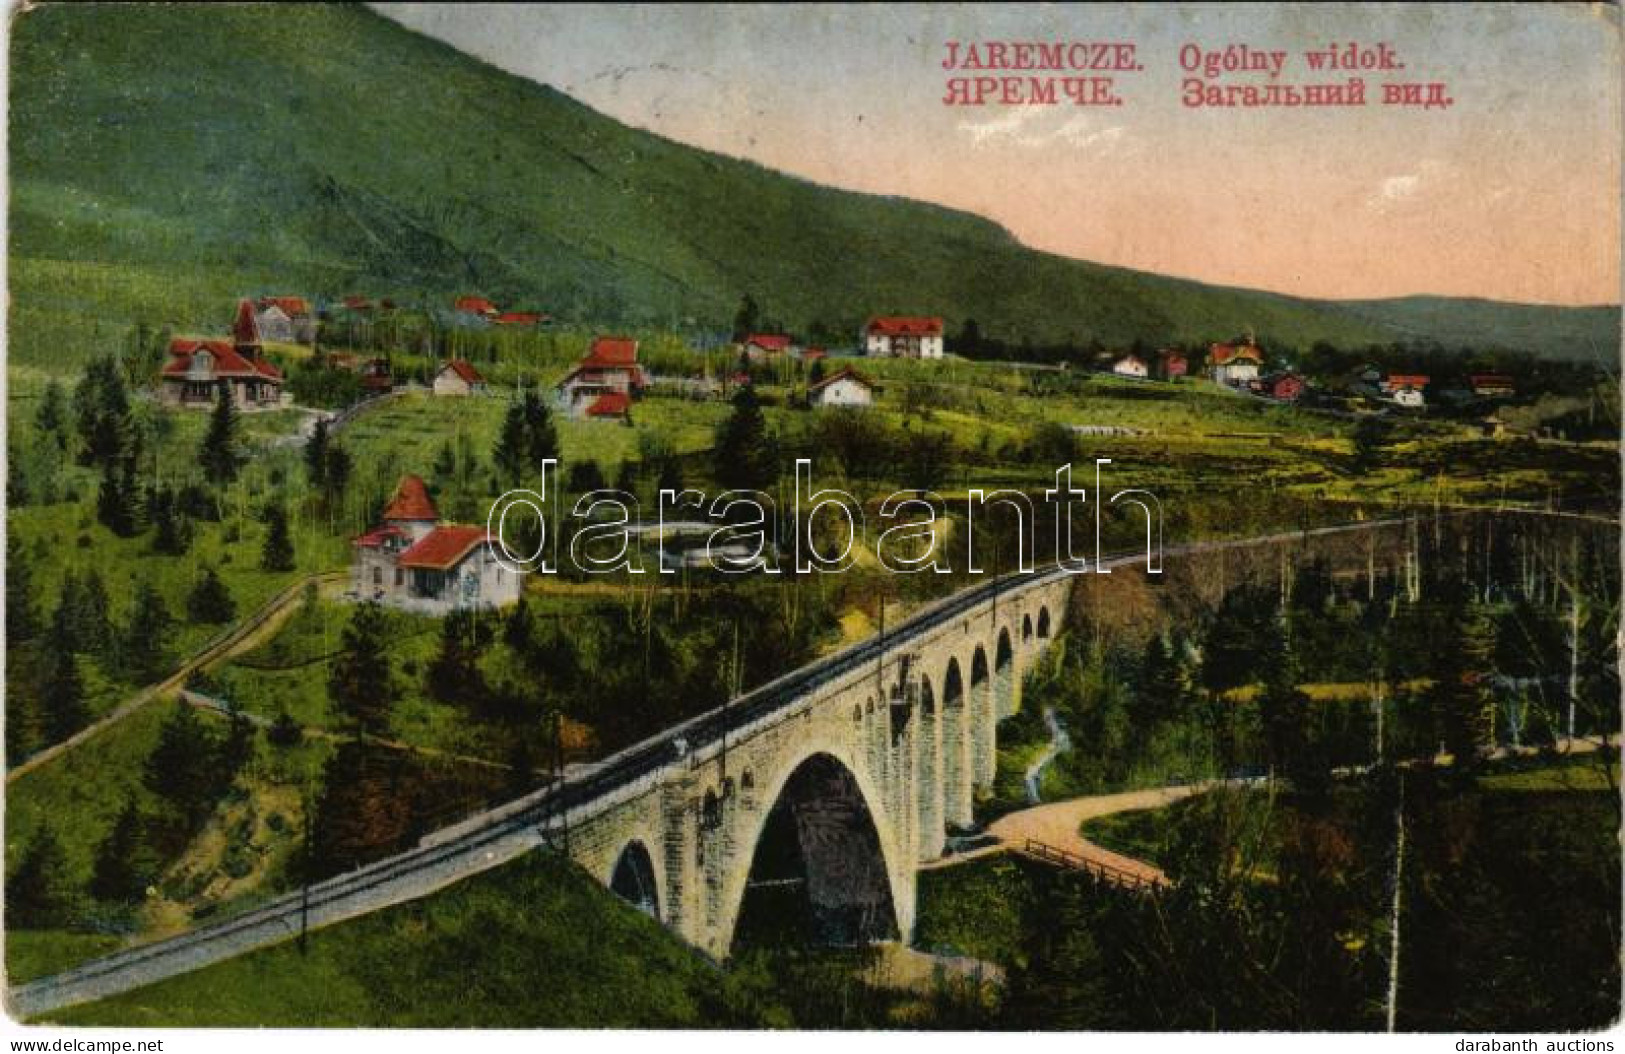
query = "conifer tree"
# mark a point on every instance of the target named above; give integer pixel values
(744, 457)
(62, 696)
(22, 618)
(361, 684)
(124, 862)
(38, 895)
(210, 600)
(219, 454)
(277, 553)
(146, 635)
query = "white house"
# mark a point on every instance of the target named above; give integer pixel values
(459, 377)
(903, 337)
(1130, 366)
(609, 369)
(845, 387)
(412, 561)
(288, 319)
(1409, 397)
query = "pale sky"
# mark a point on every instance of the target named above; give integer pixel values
(1511, 194)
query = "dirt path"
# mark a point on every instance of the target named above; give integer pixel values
(1056, 825)
(245, 636)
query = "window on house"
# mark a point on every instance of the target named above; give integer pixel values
(377, 576)
(400, 576)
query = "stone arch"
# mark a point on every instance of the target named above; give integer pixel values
(821, 863)
(983, 759)
(1004, 676)
(1043, 623)
(1027, 627)
(928, 774)
(956, 755)
(635, 880)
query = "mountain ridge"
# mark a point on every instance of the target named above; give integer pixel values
(342, 152)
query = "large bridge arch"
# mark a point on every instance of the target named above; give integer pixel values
(957, 722)
(983, 720)
(635, 879)
(1004, 675)
(822, 846)
(928, 773)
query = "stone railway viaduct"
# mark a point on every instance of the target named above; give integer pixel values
(854, 768)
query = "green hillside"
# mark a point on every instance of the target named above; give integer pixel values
(535, 943)
(166, 158)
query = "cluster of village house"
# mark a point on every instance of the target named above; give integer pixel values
(411, 560)
(1240, 366)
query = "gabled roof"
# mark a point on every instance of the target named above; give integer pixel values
(358, 303)
(228, 361)
(375, 537)
(477, 305)
(1220, 354)
(411, 502)
(905, 326)
(844, 373)
(464, 369)
(291, 305)
(443, 547)
(611, 351)
(610, 404)
(1406, 380)
(768, 341)
(521, 318)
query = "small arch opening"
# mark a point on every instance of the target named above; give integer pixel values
(634, 879)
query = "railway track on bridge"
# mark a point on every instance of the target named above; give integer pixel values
(501, 834)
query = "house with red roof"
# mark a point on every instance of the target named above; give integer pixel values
(1171, 364)
(200, 368)
(1235, 364)
(288, 319)
(1286, 386)
(459, 377)
(413, 561)
(904, 337)
(610, 367)
(760, 346)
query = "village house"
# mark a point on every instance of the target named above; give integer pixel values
(1286, 387)
(473, 311)
(609, 367)
(760, 346)
(1405, 389)
(286, 319)
(199, 369)
(844, 387)
(1492, 385)
(1235, 364)
(1130, 366)
(412, 561)
(459, 377)
(1171, 364)
(903, 337)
